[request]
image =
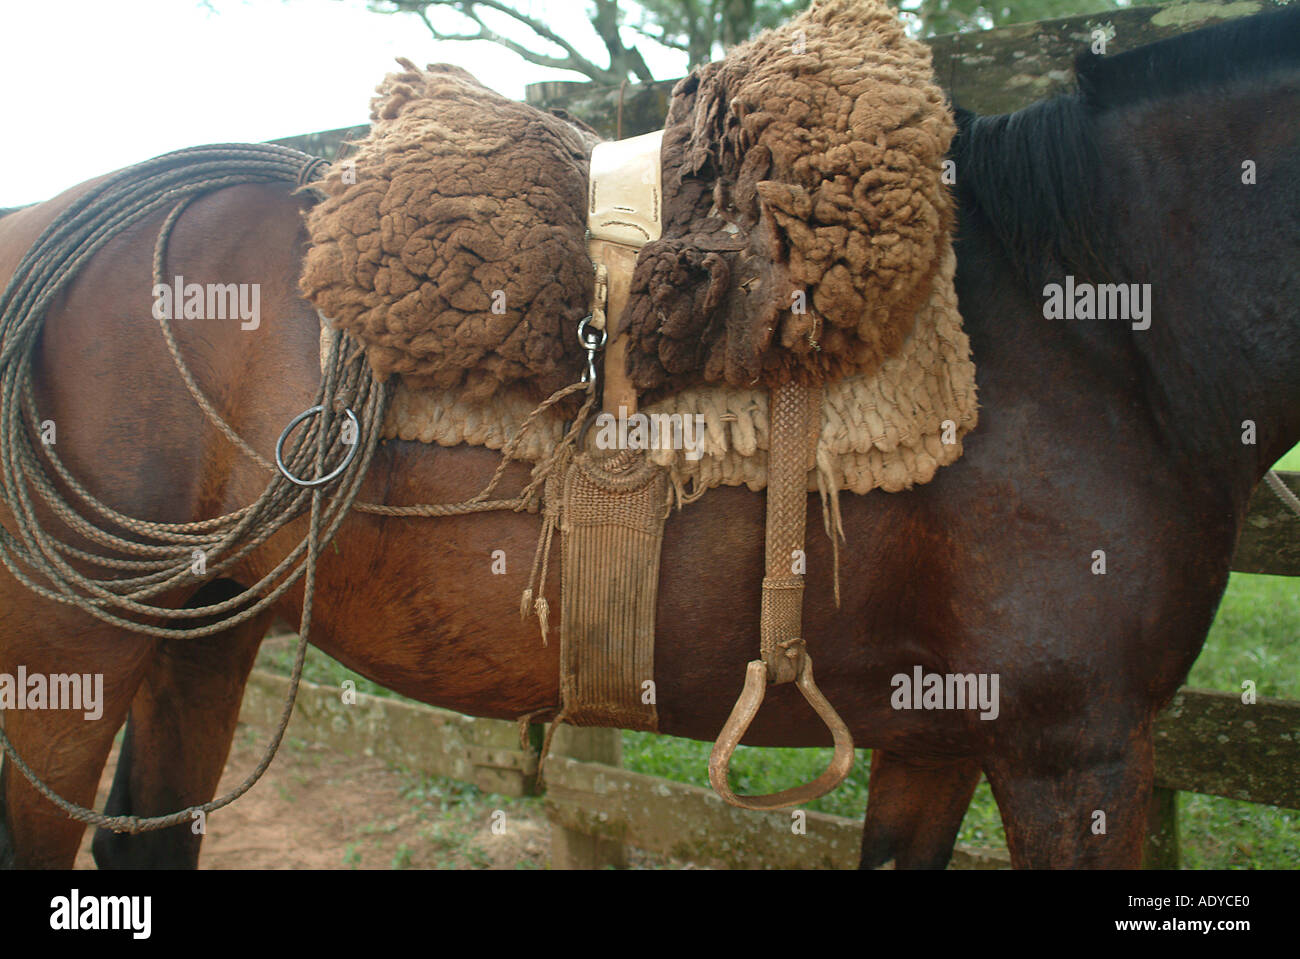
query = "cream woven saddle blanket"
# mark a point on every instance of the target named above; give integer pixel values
(888, 430)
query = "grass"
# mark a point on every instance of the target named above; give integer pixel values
(1256, 636)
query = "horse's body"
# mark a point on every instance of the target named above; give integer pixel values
(1092, 436)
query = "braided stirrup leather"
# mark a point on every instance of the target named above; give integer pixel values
(795, 422)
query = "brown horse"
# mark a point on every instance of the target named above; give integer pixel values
(1095, 434)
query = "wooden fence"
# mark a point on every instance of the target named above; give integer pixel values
(1206, 742)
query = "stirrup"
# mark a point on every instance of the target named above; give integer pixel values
(742, 714)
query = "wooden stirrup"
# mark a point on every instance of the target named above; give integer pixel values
(795, 423)
(743, 713)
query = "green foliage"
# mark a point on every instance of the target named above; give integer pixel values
(1289, 462)
(705, 28)
(1256, 636)
(351, 856)
(402, 858)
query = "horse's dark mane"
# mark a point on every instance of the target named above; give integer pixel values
(1031, 173)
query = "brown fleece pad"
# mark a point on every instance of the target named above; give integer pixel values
(804, 221)
(805, 217)
(885, 430)
(451, 242)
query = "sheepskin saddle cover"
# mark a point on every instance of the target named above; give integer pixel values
(807, 238)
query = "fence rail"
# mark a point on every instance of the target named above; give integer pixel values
(1206, 742)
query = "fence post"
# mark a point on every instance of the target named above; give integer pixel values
(571, 849)
(1161, 847)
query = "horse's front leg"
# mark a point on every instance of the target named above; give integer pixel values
(1074, 796)
(178, 736)
(914, 810)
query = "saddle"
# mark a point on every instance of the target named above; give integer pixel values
(776, 264)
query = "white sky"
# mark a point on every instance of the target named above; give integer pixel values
(93, 85)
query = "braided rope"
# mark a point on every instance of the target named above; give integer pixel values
(160, 554)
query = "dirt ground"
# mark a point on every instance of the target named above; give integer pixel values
(319, 809)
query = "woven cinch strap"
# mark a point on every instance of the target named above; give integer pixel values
(611, 507)
(611, 529)
(795, 424)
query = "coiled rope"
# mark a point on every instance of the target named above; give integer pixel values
(143, 559)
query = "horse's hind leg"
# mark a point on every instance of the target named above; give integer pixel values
(914, 811)
(64, 747)
(178, 735)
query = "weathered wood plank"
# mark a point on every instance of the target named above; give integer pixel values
(324, 143)
(999, 71)
(1161, 850)
(1270, 536)
(693, 824)
(576, 848)
(644, 105)
(438, 742)
(1210, 742)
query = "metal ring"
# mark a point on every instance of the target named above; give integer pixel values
(581, 439)
(338, 471)
(583, 326)
(592, 346)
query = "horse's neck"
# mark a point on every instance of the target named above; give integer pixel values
(1221, 255)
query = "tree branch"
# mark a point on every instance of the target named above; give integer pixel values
(467, 8)
(662, 39)
(539, 28)
(621, 58)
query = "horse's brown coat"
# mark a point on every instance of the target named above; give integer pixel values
(1090, 438)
